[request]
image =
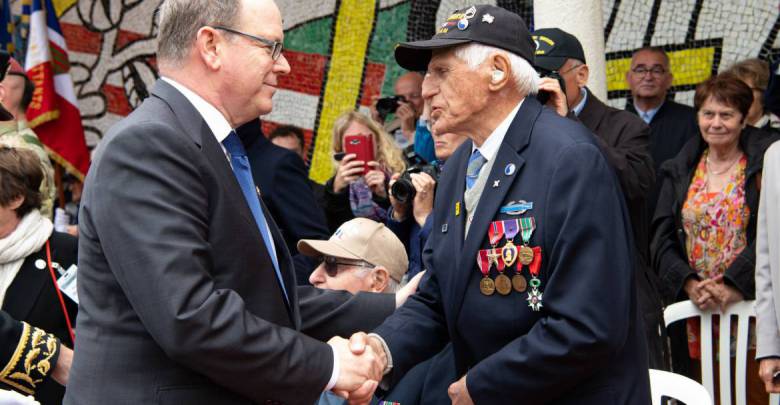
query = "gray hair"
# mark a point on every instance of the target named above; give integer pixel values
(526, 78)
(180, 20)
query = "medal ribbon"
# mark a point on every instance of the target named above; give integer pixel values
(511, 228)
(495, 232)
(536, 264)
(483, 262)
(528, 226)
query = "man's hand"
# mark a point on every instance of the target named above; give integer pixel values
(349, 170)
(408, 118)
(557, 101)
(359, 363)
(766, 370)
(61, 370)
(699, 295)
(406, 291)
(375, 179)
(459, 393)
(422, 206)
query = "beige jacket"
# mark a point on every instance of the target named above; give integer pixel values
(768, 258)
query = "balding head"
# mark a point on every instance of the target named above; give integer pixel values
(409, 85)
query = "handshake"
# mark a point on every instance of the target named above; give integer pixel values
(362, 361)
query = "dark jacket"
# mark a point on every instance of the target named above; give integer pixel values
(281, 176)
(671, 127)
(32, 298)
(670, 258)
(580, 347)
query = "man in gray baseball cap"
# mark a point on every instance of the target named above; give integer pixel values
(529, 233)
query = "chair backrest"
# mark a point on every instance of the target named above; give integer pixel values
(676, 386)
(743, 311)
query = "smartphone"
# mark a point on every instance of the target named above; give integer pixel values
(362, 146)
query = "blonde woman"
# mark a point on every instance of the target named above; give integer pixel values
(350, 193)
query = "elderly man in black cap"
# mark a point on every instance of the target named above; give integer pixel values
(624, 139)
(530, 258)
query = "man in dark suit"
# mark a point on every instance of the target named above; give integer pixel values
(281, 175)
(623, 138)
(567, 330)
(187, 292)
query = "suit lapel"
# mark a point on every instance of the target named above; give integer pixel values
(23, 292)
(458, 212)
(517, 137)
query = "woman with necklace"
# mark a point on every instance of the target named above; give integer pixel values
(704, 227)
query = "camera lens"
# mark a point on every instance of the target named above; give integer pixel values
(403, 190)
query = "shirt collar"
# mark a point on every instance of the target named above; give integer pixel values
(649, 114)
(578, 108)
(490, 147)
(217, 122)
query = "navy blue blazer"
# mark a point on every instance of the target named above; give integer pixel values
(585, 345)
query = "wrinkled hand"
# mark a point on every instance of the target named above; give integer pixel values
(699, 295)
(423, 199)
(459, 393)
(406, 291)
(723, 294)
(61, 371)
(348, 171)
(360, 366)
(375, 179)
(557, 101)
(766, 370)
(408, 118)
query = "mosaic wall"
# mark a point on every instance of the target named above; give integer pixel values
(341, 51)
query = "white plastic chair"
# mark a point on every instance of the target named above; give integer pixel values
(676, 386)
(743, 311)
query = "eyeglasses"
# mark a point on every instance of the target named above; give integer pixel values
(656, 71)
(276, 46)
(332, 264)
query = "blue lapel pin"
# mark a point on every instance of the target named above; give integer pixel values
(510, 169)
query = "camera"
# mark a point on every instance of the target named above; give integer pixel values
(544, 96)
(388, 105)
(403, 190)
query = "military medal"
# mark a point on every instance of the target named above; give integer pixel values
(486, 285)
(495, 232)
(535, 295)
(503, 284)
(509, 252)
(518, 282)
(527, 227)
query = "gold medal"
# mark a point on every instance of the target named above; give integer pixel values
(503, 284)
(519, 283)
(487, 286)
(525, 255)
(509, 252)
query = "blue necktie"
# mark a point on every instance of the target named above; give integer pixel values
(472, 170)
(243, 173)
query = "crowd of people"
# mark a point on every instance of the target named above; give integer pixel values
(476, 222)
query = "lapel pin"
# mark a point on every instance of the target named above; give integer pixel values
(496, 183)
(457, 208)
(444, 228)
(40, 264)
(510, 169)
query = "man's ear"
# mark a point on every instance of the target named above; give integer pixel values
(209, 46)
(583, 73)
(379, 279)
(500, 71)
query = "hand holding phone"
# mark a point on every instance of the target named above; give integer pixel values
(362, 145)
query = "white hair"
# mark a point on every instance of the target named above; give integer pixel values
(526, 78)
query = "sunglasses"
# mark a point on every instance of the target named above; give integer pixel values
(332, 264)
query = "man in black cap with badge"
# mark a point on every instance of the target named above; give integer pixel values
(624, 139)
(529, 260)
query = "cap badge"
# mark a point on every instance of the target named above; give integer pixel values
(488, 18)
(470, 12)
(463, 24)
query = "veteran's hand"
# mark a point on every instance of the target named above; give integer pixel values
(459, 393)
(557, 101)
(766, 370)
(358, 364)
